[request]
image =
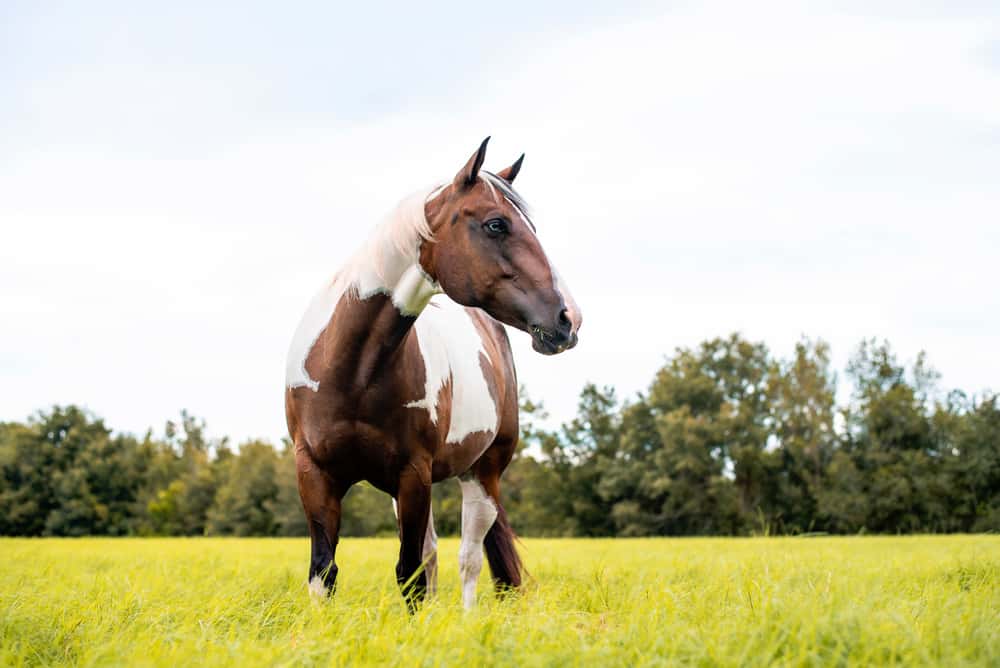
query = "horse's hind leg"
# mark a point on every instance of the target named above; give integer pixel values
(321, 497)
(505, 563)
(478, 514)
(430, 554)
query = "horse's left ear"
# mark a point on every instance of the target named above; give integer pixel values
(467, 175)
(508, 174)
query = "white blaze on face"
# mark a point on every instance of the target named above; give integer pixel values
(572, 310)
(451, 346)
(478, 514)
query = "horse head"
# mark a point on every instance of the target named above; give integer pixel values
(485, 253)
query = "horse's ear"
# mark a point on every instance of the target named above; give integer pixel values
(508, 174)
(467, 175)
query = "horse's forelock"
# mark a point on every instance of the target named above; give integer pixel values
(511, 195)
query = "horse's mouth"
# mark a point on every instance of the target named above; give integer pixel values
(547, 342)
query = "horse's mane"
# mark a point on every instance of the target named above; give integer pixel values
(394, 244)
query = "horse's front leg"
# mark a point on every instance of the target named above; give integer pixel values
(321, 497)
(430, 549)
(413, 504)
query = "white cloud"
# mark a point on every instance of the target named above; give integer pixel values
(773, 171)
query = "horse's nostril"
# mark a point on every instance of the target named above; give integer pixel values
(564, 320)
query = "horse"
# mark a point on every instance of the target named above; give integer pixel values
(400, 374)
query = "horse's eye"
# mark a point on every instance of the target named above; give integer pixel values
(495, 226)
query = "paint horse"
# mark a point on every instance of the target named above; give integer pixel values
(401, 373)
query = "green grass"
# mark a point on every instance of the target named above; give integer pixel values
(763, 601)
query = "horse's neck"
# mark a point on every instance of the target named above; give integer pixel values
(389, 262)
(357, 323)
(367, 335)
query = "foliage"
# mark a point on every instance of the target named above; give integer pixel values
(726, 440)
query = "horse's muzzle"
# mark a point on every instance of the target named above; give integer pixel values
(552, 341)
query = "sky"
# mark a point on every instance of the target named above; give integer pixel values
(177, 180)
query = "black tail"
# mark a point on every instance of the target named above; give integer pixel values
(505, 564)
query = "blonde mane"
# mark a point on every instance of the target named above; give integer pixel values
(392, 247)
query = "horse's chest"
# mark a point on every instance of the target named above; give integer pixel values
(459, 380)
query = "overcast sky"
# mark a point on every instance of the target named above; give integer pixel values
(177, 180)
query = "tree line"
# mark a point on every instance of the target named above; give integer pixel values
(727, 440)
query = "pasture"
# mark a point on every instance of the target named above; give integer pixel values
(924, 600)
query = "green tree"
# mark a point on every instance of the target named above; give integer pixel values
(890, 437)
(368, 512)
(538, 501)
(711, 407)
(184, 474)
(244, 503)
(969, 436)
(581, 455)
(289, 518)
(64, 474)
(803, 408)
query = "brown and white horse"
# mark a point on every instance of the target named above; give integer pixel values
(401, 374)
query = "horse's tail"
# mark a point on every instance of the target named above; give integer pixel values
(505, 563)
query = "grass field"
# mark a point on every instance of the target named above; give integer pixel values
(777, 601)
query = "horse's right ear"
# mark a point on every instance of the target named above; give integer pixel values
(467, 175)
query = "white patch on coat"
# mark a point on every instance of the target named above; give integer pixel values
(313, 322)
(450, 346)
(386, 264)
(429, 555)
(316, 587)
(478, 514)
(413, 291)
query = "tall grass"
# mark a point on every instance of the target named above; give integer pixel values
(760, 601)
